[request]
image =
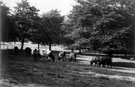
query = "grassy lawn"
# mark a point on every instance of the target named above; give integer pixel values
(19, 69)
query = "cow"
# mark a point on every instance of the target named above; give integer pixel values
(95, 60)
(72, 56)
(16, 50)
(36, 55)
(105, 61)
(61, 55)
(51, 56)
(28, 51)
(101, 60)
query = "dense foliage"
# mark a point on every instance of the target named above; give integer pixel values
(52, 27)
(5, 22)
(25, 17)
(25, 24)
(93, 24)
(101, 24)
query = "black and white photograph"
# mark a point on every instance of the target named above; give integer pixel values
(67, 43)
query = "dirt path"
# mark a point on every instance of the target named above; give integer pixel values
(86, 59)
(118, 77)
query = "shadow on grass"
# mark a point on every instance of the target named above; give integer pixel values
(124, 64)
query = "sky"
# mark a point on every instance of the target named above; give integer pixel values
(64, 6)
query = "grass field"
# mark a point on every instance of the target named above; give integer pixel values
(21, 71)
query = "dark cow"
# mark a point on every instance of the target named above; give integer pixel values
(105, 60)
(101, 60)
(36, 55)
(28, 51)
(16, 50)
(72, 56)
(62, 56)
(51, 56)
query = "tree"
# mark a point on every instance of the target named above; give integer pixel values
(116, 25)
(103, 23)
(12, 33)
(52, 31)
(6, 21)
(24, 20)
(81, 25)
(37, 32)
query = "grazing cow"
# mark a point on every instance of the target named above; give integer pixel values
(16, 50)
(105, 61)
(28, 51)
(72, 56)
(51, 56)
(102, 60)
(36, 55)
(95, 60)
(62, 56)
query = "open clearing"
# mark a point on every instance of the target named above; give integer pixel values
(21, 71)
(119, 64)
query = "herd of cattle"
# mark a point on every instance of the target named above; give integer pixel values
(50, 55)
(97, 60)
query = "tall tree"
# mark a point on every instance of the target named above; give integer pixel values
(24, 20)
(5, 21)
(52, 22)
(102, 23)
(37, 32)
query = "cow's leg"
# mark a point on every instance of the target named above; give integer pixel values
(29, 54)
(99, 64)
(53, 59)
(70, 59)
(34, 57)
(74, 59)
(91, 62)
(58, 58)
(95, 63)
(63, 58)
(49, 58)
(109, 64)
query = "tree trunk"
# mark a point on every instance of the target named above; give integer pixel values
(22, 44)
(125, 55)
(38, 46)
(80, 50)
(50, 44)
(72, 50)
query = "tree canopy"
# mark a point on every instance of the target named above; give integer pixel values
(103, 23)
(25, 17)
(94, 24)
(25, 24)
(52, 27)
(4, 18)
